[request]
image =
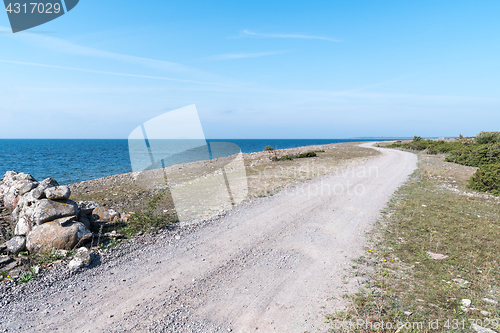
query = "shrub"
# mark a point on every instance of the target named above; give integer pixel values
(486, 179)
(285, 157)
(303, 155)
(417, 138)
(268, 148)
(488, 137)
(475, 155)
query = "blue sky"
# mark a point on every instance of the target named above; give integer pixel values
(256, 69)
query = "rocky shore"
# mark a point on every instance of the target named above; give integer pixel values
(39, 220)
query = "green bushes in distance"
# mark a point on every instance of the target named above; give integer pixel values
(302, 155)
(483, 152)
(417, 138)
(488, 137)
(486, 179)
(268, 148)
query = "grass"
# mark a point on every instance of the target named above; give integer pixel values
(46, 258)
(483, 152)
(28, 275)
(150, 219)
(424, 216)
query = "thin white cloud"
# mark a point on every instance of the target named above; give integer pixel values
(280, 35)
(112, 73)
(243, 55)
(64, 46)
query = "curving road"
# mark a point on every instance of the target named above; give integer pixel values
(272, 265)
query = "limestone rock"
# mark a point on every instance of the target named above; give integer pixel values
(66, 220)
(84, 219)
(81, 259)
(16, 244)
(22, 227)
(27, 187)
(86, 207)
(58, 193)
(47, 210)
(104, 214)
(52, 236)
(39, 192)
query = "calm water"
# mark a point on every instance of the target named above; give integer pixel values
(70, 161)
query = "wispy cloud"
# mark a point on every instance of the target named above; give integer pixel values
(247, 33)
(112, 73)
(64, 46)
(243, 55)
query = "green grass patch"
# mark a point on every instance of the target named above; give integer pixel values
(150, 219)
(28, 275)
(424, 217)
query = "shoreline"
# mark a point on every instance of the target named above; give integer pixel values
(264, 176)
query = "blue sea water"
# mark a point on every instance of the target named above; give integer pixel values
(70, 161)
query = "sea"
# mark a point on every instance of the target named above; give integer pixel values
(75, 160)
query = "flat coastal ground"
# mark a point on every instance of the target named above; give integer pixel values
(271, 264)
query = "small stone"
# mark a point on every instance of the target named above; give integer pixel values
(104, 214)
(86, 207)
(81, 259)
(16, 244)
(22, 227)
(408, 313)
(485, 313)
(27, 188)
(4, 260)
(487, 300)
(466, 302)
(64, 221)
(437, 256)
(461, 282)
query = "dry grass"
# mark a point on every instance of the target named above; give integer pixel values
(432, 213)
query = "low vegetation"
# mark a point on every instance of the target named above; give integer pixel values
(434, 257)
(483, 152)
(150, 219)
(301, 155)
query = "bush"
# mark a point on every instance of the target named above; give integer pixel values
(268, 148)
(486, 179)
(308, 154)
(487, 137)
(475, 155)
(417, 138)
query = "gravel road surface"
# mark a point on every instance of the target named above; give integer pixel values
(273, 264)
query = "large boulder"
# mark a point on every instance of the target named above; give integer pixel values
(58, 193)
(39, 192)
(47, 210)
(16, 244)
(52, 236)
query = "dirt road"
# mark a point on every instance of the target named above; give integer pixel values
(272, 265)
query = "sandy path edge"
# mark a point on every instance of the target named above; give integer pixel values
(268, 266)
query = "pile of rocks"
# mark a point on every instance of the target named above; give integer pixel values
(45, 218)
